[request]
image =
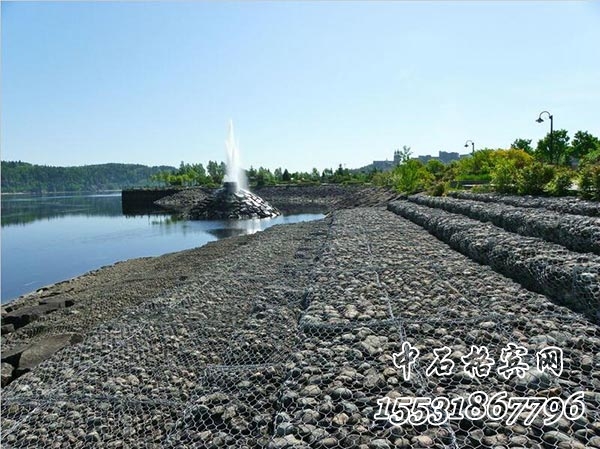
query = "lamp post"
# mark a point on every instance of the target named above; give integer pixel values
(472, 145)
(540, 120)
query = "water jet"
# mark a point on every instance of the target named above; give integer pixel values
(232, 200)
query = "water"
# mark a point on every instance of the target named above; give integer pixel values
(52, 238)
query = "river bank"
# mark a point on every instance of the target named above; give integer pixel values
(67, 310)
(285, 339)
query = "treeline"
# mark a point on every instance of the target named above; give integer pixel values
(559, 168)
(212, 176)
(24, 177)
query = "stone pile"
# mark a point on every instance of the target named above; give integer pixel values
(229, 202)
(572, 279)
(575, 232)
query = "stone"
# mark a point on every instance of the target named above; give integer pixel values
(13, 355)
(44, 348)
(379, 443)
(25, 315)
(422, 441)
(229, 203)
(6, 373)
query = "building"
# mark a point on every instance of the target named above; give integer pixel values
(381, 165)
(443, 156)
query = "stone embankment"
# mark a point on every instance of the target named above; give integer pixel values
(286, 339)
(570, 278)
(567, 205)
(289, 198)
(576, 232)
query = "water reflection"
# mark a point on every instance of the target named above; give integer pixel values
(46, 239)
(24, 209)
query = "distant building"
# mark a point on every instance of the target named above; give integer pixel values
(381, 165)
(443, 156)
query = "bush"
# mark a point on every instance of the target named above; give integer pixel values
(504, 176)
(411, 177)
(589, 182)
(439, 189)
(532, 179)
(560, 183)
(484, 188)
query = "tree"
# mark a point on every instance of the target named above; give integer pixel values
(411, 176)
(315, 176)
(436, 168)
(216, 171)
(405, 154)
(522, 144)
(559, 153)
(285, 177)
(278, 173)
(583, 144)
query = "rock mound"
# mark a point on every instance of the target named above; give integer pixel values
(229, 202)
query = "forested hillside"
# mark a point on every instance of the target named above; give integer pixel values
(24, 177)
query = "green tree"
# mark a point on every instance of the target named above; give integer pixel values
(436, 168)
(314, 175)
(522, 144)
(533, 178)
(411, 176)
(504, 176)
(559, 152)
(286, 177)
(583, 144)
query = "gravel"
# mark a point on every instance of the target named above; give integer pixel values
(285, 339)
(568, 205)
(571, 279)
(575, 232)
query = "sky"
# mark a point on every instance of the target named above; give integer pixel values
(307, 84)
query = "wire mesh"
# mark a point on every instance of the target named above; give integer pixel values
(306, 338)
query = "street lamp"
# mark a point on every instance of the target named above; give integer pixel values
(540, 120)
(472, 145)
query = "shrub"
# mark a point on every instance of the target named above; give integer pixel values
(532, 179)
(560, 183)
(411, 177)
(439, 189)
(589, 182)
(484, 188)
(504, 176)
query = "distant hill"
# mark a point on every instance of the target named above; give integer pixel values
(24, 177)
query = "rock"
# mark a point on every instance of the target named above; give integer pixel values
(341, 393)
(340, 419)
(13, 355)
(311, 390)
(422, 441)
(533, 379)
(44, 348)
(7, 328)
(328, 442)
(379, 444)
(555, 437)
(6, 373)
(26, 315)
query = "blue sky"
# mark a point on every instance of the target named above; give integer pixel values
(307, 84)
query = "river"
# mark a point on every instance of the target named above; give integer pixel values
(46, 239)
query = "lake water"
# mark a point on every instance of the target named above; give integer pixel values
(46, 239)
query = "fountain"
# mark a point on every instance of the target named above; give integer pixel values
(233, 200)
